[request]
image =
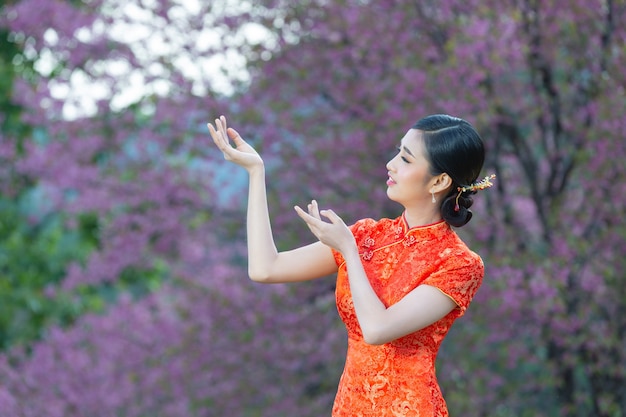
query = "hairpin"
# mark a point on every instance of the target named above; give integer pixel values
(479, 185)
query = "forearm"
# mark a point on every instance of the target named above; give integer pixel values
(370, 311)
(379, 324)
(262, 251)
(423, 306)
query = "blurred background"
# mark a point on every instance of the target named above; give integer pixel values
(123, 286)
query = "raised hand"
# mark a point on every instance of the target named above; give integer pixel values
(333, 233)
(242, 154)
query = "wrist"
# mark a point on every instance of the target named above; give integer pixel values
(351, 252)
(257, 170)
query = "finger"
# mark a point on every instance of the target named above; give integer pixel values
(224, 126)
(218, 125)
(216, 128)
(215, 136)
(235, 136)
(314, 209)
(222, 144)
(219, 141)
(332, 216)
(308, 219)
(302, 214)
(220, 128)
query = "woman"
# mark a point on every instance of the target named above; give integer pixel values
(401, 282)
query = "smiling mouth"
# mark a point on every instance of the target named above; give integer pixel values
(390, 181)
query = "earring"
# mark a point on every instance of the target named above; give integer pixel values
(434, 200)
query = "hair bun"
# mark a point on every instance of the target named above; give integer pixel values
(462, 216)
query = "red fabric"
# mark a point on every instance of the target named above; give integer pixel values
(398, 378)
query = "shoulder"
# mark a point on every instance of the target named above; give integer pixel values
(368, 226)
(373, 233)
(467, 261)
(363, 225)
(456, 255)
(459, 272)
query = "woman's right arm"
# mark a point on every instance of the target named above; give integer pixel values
(265, 263)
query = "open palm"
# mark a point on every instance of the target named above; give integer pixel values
(242, 153)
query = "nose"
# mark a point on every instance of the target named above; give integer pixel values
(389, 165)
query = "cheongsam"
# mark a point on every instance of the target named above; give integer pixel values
(398, 378)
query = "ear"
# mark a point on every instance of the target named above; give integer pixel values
(441, 182)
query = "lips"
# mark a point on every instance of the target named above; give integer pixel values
(390, 181)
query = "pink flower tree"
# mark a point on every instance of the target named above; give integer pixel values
(205, 340)
(328, 91)
(542, 83)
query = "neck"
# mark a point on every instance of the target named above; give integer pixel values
(415, 218)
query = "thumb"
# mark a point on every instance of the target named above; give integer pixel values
(235, 136)
(331, 215)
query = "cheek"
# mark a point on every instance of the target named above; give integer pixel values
(416, 176)
(417, 179)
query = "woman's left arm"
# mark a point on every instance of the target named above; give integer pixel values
(418, 309)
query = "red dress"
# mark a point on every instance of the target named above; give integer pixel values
(398, 378)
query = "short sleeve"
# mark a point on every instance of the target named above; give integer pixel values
(359, 230)
(459, 278)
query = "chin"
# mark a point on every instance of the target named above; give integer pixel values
(390, 194)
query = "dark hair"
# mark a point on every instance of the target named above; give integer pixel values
(453, 146)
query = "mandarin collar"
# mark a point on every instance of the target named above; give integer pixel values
(439, 226)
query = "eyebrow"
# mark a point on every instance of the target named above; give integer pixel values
(408, 151)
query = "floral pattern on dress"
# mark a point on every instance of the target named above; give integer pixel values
(398, 378)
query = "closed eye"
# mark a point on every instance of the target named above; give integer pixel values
(402, 157)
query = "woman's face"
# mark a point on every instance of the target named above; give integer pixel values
(409, 172)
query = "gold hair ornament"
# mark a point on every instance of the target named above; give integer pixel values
(479, 185)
